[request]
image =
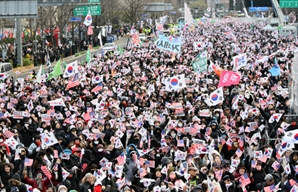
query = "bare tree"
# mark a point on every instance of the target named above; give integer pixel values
(45, 16)
(132, 10)
(111, 11)
(201, 5)
(61, 16)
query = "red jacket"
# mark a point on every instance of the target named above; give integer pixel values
(6, 147)
(97, 188)
(45, 183)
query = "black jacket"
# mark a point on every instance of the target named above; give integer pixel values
(258, 180)
(5, 178)
(21, 187)
(232, 188)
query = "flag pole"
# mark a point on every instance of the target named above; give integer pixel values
(54, 189)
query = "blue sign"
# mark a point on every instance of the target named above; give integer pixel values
(172, 44)
(74, 19)
(257, 9)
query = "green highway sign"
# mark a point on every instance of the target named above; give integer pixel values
(93, 1)
(288, 3)
(83, 10)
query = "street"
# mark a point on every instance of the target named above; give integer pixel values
(120, 42)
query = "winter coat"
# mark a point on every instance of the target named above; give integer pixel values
(5, 177)
(21, 187)
(257, 180)
(232, 188)
(46, 181)
(86, 186)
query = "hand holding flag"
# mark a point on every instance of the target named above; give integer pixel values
(88, 19)
(28, 162)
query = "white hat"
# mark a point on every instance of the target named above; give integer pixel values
(62, 186)
(36, 190)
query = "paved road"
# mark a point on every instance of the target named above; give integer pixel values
(120, 42)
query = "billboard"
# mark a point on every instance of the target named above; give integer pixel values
(18, 9)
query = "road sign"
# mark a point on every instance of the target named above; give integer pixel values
(74, 19)
(93, 1)
(83, 10)
(257, 9)
(288, 3)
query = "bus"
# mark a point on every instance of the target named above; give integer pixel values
(219, 8)
(181, 22)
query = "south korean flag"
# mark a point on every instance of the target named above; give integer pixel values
(175, 83)
(215, 98)
(71, 69)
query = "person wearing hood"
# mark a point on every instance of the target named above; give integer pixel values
(26, 132)
(100, 153)
(62, 188)
(72, 133)
(35, 146)
(15, 184)
(136, 140)
(293, 161)
(61, 145)
(215, 130)
(89, 183)
(131, 164)
(286, 158)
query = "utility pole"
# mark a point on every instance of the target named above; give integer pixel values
(19, 41)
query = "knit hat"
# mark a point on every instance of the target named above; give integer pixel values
(16, 178)
(62, 187)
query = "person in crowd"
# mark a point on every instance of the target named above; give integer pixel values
(147, 118)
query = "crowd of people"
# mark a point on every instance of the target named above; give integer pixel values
(113, 126)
